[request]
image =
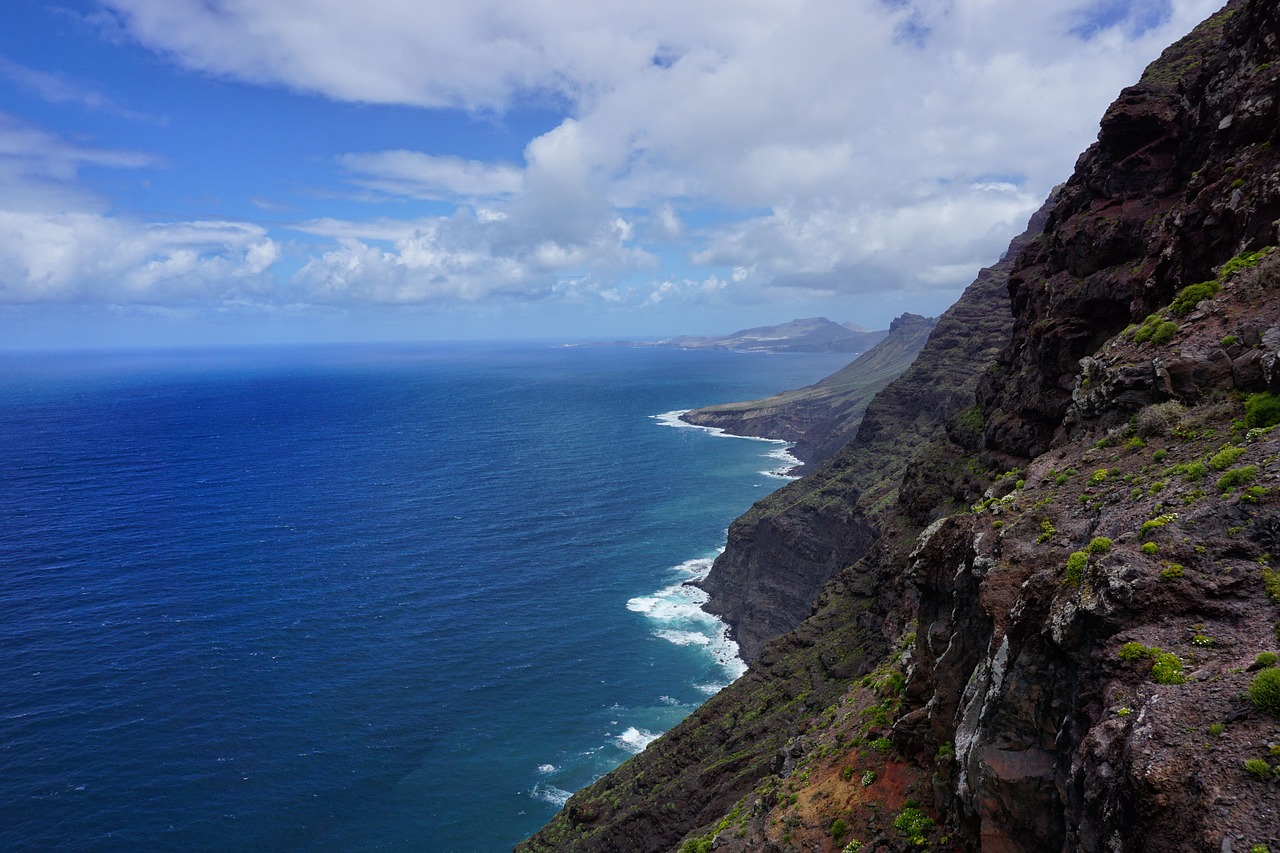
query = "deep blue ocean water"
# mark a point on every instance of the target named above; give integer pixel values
(346, 598)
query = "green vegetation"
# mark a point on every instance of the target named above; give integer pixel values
(1155, 329)
(1266, 659)
(1160, 454)
(1202, 641)
(1155, 524)
(1098, 477)
(1173, 570)
(1261, 410)
(1217, 729)
(868, 778)
(1075, 568)
(1258, 768)
(1237, 477)
(698, 845)
(1229, 341)
(913, 824)
(1150, 548)
(1243, 261)
(1264, 691)
(1099, 545)
(1047, 531)
(1132, 651)
(1271, 582)
(839, 829)
(1225, 458)
(1166, 668)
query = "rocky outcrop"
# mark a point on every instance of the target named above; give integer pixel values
(1065, 590)
(821, 418)
(783, 550)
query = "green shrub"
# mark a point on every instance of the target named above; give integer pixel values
(1225, 458)
(847, 774)
(1237, 477)
(1192, 471)
(1047, 531)
(868, 778)
(1099, 477)
(1230, 341)
(913, 823)
(1173, 570)
(1166, 668)
(881, 743)
(1099, 545)
(839, 829)
(1266, 659)
(1155, 524)
(1258, 768)
(1150, 548)
(1193, 295)
(1160, 454)
(1132, 651)
(1261, 410)
(1075, 568)
(1271, 583)
(1242, 261)
(1217, 729)
(698, 845)
(1202, 641)
(1264, 691)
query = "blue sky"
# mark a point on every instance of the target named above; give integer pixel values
(239, 171)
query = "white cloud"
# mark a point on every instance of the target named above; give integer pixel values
(423, 176)
(838, 147)
(57, 244)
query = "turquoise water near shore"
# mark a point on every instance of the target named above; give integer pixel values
(335, 598)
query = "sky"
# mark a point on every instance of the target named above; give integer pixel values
(246, 172)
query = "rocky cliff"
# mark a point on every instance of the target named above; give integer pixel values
(1052, 620)
(822, 417)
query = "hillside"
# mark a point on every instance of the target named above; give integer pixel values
(1053, 608)
(821, 417)
(815, 334)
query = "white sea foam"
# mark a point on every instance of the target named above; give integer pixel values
(679, 618)
(546, 768)
(783, 455)
(550, 794)
(634, 740)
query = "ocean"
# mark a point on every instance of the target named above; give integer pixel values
(354, 597)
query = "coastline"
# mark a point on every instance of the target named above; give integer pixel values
(784, 455)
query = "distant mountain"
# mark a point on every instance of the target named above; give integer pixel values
(815, 334)
(820, 418)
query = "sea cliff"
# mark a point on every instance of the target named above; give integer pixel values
(1028, 606)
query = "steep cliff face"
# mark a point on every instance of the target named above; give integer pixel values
(783, 550)
(1146, 516)
(1059, 657)
(822, 417)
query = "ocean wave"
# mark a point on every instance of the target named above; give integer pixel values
(546, 768)
(672, 419)
(679, 618)
(634, 740)
(550, 794)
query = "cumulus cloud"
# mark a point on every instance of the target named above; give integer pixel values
(831, 146)
(58, 244)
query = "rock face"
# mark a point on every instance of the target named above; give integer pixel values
(783, 550)
(822, 417)
(1047, 607)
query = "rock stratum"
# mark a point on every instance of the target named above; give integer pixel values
(1029, 605)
